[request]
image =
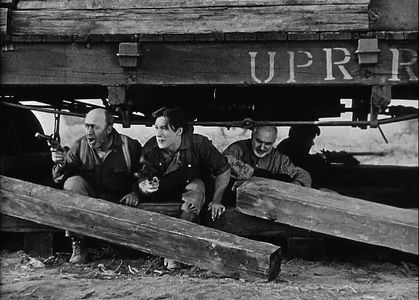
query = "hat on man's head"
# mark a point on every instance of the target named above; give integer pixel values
(304, 131)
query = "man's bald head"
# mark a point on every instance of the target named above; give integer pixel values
(100, 114)
(263, 139)
(269, 130)
(98, 127)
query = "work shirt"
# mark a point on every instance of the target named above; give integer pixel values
(196, 158)
(109, 176)
(274, 162)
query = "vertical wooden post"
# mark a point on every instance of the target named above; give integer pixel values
(380, 99)
(38, 243)
(117, 98)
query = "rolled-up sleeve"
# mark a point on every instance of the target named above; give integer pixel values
(298, 175)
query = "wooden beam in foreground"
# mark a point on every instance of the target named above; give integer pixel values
(329, 213)
(142, 230)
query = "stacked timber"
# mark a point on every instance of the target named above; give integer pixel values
(146, 231)
(330, 213)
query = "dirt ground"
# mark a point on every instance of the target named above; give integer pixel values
(144, 277)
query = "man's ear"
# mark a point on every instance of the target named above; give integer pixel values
(179, 131)
(109, 129)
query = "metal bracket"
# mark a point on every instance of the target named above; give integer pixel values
(129, 55)
(367, 51)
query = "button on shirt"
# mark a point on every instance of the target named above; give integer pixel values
(196, 152)
(196, 158)
(274, 162)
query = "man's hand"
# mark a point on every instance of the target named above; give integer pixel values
(236, 184)
(217, 209)
(58, 157)
(149, 186)
(242, 171)
(131, 199)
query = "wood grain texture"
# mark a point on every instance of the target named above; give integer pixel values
(134, 4)
(235, 222)
(330, 214)
(7, 3)
(200, 63)
(190, 20)
(12, 224)
(142, 230)
(3, 20)
(394, 15)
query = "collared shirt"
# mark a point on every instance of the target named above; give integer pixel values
(196, 153)
(110, 176)
(196, 158)
(274, 162)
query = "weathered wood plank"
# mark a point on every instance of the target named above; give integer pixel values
(335, 36)
(168, 209)
(134, 4)
(190, 20)
(142, 230)
(394, 15)
(4, 20)
(7, 3)
(303, 36)
(330, 214)
(235, 222)
(241, 63)
(12, 224)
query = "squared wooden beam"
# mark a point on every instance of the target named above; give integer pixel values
(330, 213)
(146, 231)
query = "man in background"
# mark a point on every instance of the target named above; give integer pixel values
(298, 144)
(257, 157)
(297, 147)
(100, 164)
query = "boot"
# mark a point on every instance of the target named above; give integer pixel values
(79, 255)
(171, 264)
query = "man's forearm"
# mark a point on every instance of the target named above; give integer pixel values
(58, 172)
(302, 178)
(221, 182)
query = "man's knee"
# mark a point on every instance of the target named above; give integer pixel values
(79, 185)
(196, 185)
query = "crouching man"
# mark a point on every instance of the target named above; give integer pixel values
(101, 164)
(258, 157)
(176, 163)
